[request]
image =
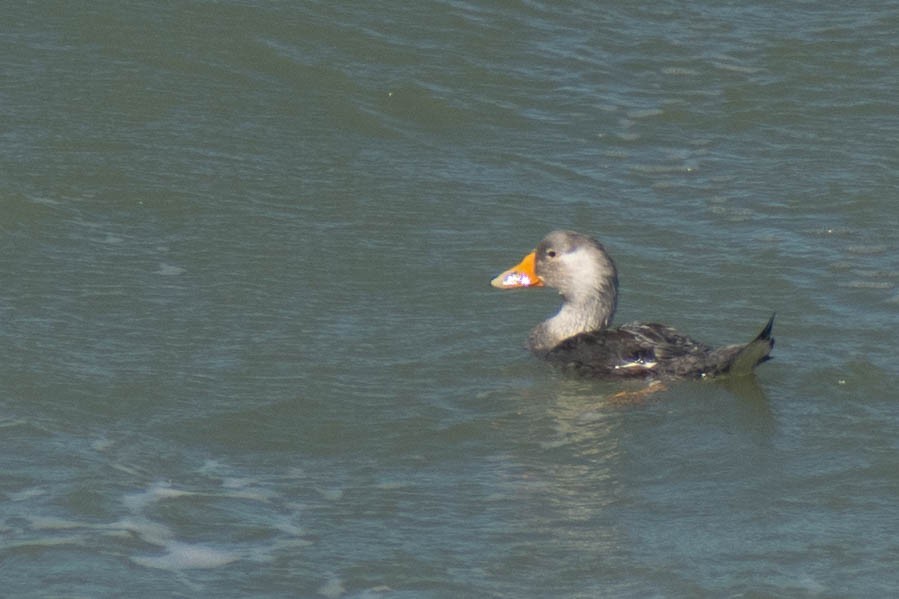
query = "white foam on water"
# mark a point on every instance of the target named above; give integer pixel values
(156, 492)
(170, 270)
(177, 555)
(234, 482)
(146, 530)
(332, 589)
(101, 444)
(182, 556)
(165, 551)
(26, 494)
(286, 525)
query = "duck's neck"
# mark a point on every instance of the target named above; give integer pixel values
(583, 311)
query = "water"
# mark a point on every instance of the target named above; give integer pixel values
(249, 348)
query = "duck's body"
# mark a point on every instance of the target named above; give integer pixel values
(579, 337)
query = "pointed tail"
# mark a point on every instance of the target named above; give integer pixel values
(753, 353)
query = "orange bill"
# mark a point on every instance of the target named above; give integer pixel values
(520, 275)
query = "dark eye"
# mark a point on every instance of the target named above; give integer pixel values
(551, 253)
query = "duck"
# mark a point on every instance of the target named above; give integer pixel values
(580, 336)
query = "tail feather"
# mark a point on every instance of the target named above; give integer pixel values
(753, 353)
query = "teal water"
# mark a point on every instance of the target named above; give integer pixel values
(249, 349)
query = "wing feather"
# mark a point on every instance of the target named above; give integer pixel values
(632, 350)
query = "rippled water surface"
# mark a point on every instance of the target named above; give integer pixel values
(248, 348)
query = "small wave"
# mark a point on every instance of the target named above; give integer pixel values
(181, 556)
(867, 250)
(156, 492)
(644, 113)
(169, 270)
(869, 284)
(332, 589)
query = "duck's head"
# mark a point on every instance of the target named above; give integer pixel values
(579, 267)
(573, 263)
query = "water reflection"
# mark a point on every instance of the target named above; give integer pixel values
(588, 469)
